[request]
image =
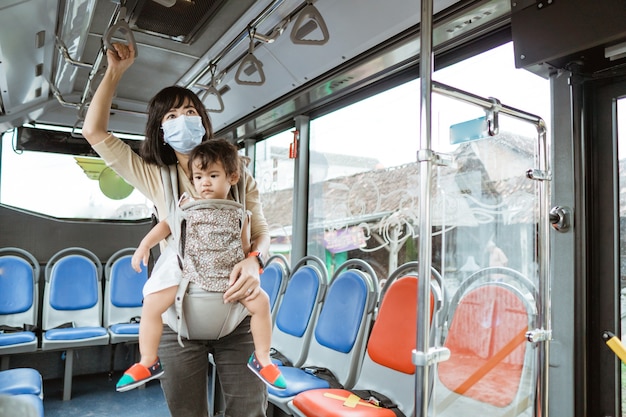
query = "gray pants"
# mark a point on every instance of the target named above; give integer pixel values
(185, 382)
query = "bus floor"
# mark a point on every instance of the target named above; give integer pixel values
(95, 395)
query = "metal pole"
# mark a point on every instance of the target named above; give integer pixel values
(424, 158)
(545, 296)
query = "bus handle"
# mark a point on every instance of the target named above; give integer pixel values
(122, 27)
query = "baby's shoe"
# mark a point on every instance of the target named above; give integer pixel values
(138, 375)
(269, 374)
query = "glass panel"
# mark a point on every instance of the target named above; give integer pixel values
(65, 186)
(363, 173)
(485, 218)
(274, 172)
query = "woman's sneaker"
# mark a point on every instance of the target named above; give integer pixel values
(269, 374)
(138, 375)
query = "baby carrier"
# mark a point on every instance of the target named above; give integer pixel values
(198, 312)
(210, 242)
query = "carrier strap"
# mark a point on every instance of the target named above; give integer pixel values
(325, 374)
(275, 354)
(378, 399)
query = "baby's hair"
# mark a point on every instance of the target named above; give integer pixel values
(212, 151)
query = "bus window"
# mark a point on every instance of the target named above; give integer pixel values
(274, 173)
(66, 186)
(363, 170)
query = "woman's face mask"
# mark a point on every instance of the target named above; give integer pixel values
(183, 133)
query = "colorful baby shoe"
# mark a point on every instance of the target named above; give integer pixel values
(138, 375)
(269, 374)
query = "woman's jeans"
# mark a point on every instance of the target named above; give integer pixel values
(185, 382)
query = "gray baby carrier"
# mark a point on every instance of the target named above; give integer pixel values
(199, 311)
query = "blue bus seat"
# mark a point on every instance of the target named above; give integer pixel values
(22, 405)
(299, 308)
(340, 334)
(72, 306)
(274, 281)
(387, 368)
(123, 297)
(19, 300)
(21, 381)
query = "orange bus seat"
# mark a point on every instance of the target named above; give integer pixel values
(487, 346)
(387, 368)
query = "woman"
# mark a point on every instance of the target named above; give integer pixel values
(185, 382)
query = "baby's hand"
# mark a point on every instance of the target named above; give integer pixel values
(140, 256)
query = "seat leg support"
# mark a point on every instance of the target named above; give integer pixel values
(67, 377)
(4, 362)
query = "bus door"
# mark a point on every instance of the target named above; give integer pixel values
(601, 273)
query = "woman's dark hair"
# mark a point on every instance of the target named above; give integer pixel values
(212, 151)
(153, 149)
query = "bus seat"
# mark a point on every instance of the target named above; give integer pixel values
(123, 297)
(22, 405)
(489, 358)
(387, 368)
(296, 312)
(274, 281)
(21, 381)
(340, 334)
(19, 296)
(72, 306)
(298, 309)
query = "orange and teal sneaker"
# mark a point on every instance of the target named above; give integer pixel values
(269, 374)
(138, 375)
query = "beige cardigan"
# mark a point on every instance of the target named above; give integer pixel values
(146, 178)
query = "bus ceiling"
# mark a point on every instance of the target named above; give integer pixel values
(257, 64)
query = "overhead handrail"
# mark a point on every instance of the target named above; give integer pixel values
(81, 107)
(66, 55)
(273, 35)
(309, 19)
(210, 91)
(493, 124)
(250, 61)
(235, 42)
(77, 125)
(122, 27)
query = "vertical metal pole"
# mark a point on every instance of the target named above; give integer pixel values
(424, 158)
(545, 296)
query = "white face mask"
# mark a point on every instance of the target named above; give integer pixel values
(183, 133)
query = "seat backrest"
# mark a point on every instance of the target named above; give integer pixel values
(298, 309)
(437, 295)
(388, 367)
(19, 287)
(274, 280)
(487, 342)
(342, 327)
(72, 291)
(123, 288)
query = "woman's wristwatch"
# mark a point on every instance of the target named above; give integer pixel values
(259, 258)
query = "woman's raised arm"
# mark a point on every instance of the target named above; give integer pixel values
(95, 127)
